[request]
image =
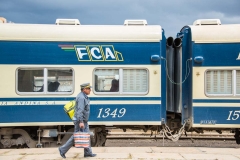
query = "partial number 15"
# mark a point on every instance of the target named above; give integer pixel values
(233, 115)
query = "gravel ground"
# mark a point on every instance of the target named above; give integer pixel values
(169, 143)
(227, 143)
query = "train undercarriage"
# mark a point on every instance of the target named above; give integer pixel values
(53, 136)
(39, 137)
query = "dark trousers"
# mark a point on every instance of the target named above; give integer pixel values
(70, 142)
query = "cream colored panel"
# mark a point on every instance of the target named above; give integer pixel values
(199, 81)
(52, 103)
(217, 126)
(111, 123)
(80, 33)
(7, 81)
(125, 102)
(216, 33)
(216, 104)
(125, 123)
(36, 124)
(83, 74)
(154, 78)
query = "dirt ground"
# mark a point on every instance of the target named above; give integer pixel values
(169, 143)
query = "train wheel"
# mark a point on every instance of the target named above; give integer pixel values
(39, 146)
(237, 136)
(1, 146)
(99, 138)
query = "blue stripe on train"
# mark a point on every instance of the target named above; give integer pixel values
(217, 54)
(49, 53)
(102, 112)
(216, 115)
(91, 98)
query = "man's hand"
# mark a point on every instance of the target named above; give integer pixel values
(81, 125)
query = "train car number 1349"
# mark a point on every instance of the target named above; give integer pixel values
(116, 113)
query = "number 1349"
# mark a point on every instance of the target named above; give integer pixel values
(104, 113)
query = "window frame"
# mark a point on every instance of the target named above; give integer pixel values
(233, 83)
(120, 92)
(45, 81)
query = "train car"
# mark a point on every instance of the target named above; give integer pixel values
(43, 65)
(208, 84)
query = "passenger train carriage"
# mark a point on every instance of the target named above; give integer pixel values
(139, 79)
(210, 95)
(214, 86)
(44, 65)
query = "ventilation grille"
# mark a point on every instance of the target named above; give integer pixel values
(219, 82)
(135, 80)
(67, 22)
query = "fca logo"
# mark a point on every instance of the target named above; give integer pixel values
(97, 53)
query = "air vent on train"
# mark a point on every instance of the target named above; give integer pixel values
(140, 22)
(67, 22)
(200, 22)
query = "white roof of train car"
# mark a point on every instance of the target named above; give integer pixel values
(80, 33)
(216, 33)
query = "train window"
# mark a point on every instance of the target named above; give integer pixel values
(30, 80)
(60, 80)
(219, 82)
(135, 80)
(45, 81)
(106, 80)
(121, 81)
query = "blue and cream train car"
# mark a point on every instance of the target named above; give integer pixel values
(211, 94)
(42, 67)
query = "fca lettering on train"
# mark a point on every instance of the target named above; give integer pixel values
(97, 53)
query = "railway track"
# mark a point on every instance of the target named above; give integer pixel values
(148, 135)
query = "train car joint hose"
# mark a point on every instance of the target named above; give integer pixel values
(174, 137)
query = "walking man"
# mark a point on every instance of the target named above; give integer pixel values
(80, 120)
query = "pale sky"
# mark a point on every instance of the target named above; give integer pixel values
(172, 15)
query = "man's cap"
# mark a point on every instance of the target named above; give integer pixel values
(85, 85)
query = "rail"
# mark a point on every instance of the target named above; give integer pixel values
(148, 135)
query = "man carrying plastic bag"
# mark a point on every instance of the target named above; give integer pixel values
(80, 120)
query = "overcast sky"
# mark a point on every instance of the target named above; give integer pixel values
(172, 15)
